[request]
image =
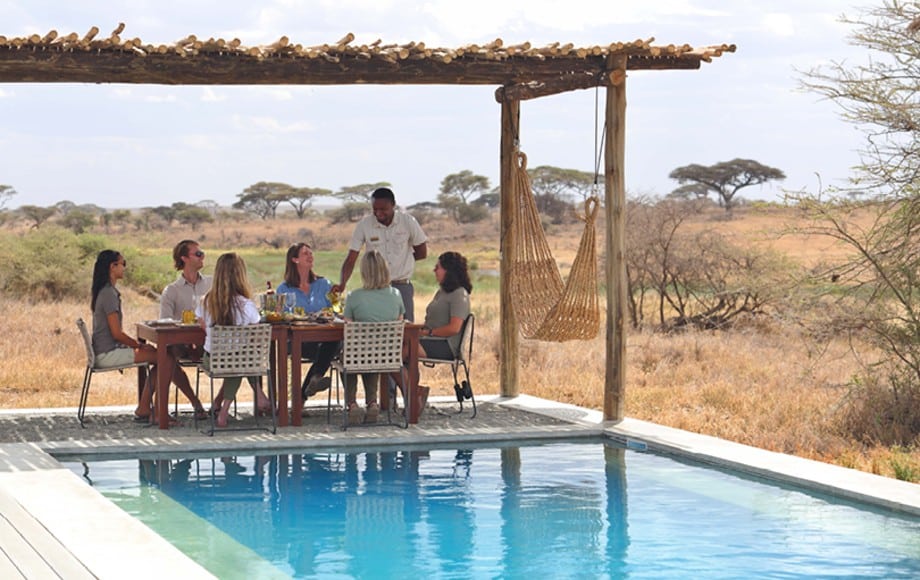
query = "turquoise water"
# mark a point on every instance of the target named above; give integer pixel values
(562, 510)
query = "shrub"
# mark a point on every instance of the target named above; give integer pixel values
(44, 264)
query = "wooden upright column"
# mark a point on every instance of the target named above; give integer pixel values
(615, 242)
(508, 356)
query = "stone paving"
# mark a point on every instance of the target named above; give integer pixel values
(110, 424)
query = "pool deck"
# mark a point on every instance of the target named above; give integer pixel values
(52, 524)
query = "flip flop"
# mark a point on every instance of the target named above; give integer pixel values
(141, 418)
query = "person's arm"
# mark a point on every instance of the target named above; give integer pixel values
(348, 267)
(450, 329)
(119, 334)
(168, 304)
(420, 252)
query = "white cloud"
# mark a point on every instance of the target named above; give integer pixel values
(270, 125)
(209, 95)
(779, 24)
(4, 94)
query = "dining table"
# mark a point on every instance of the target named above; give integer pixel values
(164, 335)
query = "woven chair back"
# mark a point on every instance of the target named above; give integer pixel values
(240, 351)
(373, 347)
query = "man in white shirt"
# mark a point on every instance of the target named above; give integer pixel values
(394, 234)
(184, 294)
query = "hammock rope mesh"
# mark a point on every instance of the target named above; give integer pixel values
(547, 309)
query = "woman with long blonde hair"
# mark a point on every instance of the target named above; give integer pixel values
(229, 303)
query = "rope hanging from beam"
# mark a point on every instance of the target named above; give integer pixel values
(547, 309)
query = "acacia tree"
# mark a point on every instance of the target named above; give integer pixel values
(458, 191)
(263, 198)
(6, 192)
(355, 201)
(302, 197)
(723, 179)
(556, 188)
(875, 290)
(36, 214)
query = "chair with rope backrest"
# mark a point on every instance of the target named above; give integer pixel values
(371, 347)
(462, 389)
(545, 308)
(241, 351)
(92, 369)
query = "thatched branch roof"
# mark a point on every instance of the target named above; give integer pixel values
(54, 58)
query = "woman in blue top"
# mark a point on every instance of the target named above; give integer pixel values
(309, 292)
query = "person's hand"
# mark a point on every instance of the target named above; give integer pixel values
(338, 288)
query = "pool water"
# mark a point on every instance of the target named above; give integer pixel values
(560, 510)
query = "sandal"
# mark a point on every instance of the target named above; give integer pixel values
(201, 414)
(141, 418)
(373, 412)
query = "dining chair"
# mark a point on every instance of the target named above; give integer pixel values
(92, 369)
(371, 347)
(241, 351)
(462, 389)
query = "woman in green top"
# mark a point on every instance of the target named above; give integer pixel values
(376, 301)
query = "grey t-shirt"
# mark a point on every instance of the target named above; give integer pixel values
(446, 305)
(107, 302)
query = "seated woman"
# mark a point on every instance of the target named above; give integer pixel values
(448, 309)
(376, 301)
(111, 345)
(229, 303)
(309, 292)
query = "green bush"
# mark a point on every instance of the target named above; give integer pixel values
(44, 264)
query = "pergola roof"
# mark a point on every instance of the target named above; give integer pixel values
(552, 68)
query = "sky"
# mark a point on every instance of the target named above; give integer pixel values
(128, 146)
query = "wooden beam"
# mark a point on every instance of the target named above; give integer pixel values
(534, 89)
(508, 327)
(210, 65)
(615, 243)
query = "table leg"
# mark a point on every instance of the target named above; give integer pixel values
(414, 409)
(281, 397)
(296, 380)
(164, 375)
(141, 377)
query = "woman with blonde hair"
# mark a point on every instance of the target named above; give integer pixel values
(229, 303)
(376, 301)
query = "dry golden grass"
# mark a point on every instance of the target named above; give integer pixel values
(761, 384)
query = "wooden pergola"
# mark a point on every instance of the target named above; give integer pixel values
(520, 72)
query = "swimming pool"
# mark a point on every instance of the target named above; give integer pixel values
(561, 510)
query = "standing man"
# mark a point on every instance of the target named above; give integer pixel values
(397, 236)
(184, 294)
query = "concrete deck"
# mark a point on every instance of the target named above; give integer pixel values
(53, 524)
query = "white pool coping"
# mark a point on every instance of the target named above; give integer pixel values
(110, 544)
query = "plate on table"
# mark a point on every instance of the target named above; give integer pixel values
(162, 322)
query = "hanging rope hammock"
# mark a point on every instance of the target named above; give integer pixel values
(545, 308)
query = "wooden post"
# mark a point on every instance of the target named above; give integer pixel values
(508, 356)
(615, 208)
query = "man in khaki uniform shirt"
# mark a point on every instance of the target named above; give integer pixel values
(397, 236)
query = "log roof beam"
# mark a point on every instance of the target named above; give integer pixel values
(72, 58)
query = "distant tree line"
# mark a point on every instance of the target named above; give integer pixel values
(465, 197)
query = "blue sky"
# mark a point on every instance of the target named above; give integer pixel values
(135, 146)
